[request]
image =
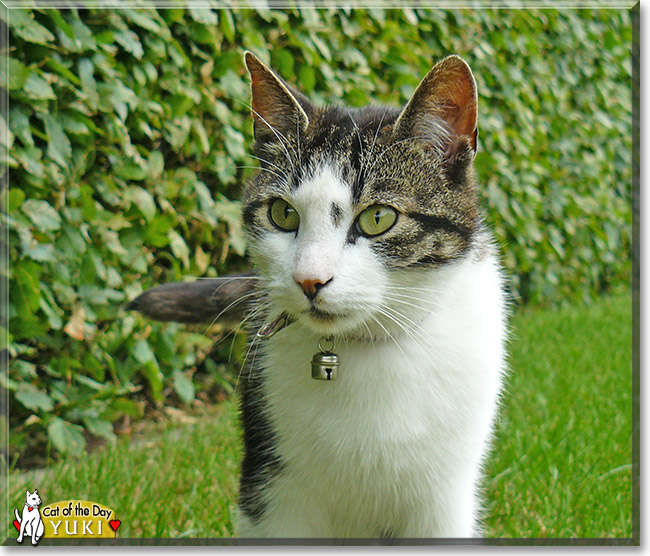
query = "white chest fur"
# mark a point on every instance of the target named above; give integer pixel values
(394, 446)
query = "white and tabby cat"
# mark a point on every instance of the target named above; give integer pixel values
(365, 231)
(365, 228)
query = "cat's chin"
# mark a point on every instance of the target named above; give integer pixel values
(328, 323)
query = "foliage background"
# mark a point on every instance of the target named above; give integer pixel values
(126, 144)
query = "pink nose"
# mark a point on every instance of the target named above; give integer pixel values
(311, 286)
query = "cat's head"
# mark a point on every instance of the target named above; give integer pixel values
(33, 499)
(352, 208)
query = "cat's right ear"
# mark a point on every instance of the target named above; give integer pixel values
(28, 494)
(276, 108)
(443, 110)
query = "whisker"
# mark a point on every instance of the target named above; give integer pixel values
(401, 301)
(281, 178)
(277, 134)
(266, 161)
(236, 302)
(374, 140)
(356, 128)
(406, 358)
(418, 298)
(414, 288)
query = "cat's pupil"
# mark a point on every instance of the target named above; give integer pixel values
(287, 210)
(377, 216)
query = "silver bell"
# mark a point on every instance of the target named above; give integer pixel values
(324, 366)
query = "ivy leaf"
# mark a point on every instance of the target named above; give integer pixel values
(144, 201)
(58, 146)
(100, 427)
(43, 216)
(130, 42)
(18, 74)
(66, 437)
(38, 88)
(33, 398)
(203, 15)
(20, 126)
(142, 352)
(27, 28)
(88, 83)
(227, 24)
(179, 247)
(183, 386)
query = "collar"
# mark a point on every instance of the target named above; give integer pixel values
(270, 329)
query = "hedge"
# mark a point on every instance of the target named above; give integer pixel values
(127, 141)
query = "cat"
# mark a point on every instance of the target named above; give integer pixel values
(30, 522)
(365, 230)
(368, 245)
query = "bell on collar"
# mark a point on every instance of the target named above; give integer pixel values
(325, 364)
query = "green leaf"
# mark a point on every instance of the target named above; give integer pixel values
(42, 215)
(179, 247)
(58, 145)
(20, 126)
(203, 15)
(155, 378)
(18, 74)
(33, 398)
(130, 172)
(183, 386)
(227, 24)
(88, 83)
(37, 88)
(16, 198)
(6, 137)
(156, 164)
(27, 28)
(66, 437)
(144, 201)
(130, 42)
(142, 352)
(100, 427)
(307, 78)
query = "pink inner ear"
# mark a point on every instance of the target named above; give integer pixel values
(447, 93)
(274, 106)
(459, 107)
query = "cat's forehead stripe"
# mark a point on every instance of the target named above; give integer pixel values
(336, 214)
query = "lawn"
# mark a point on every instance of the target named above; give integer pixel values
(561, 465)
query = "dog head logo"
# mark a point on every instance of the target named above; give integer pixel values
(29, 522)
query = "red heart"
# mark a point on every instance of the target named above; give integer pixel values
(29, 509)
(17, 525)
(115, 524)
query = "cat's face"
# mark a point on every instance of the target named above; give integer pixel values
(33, 499)
(353, 208)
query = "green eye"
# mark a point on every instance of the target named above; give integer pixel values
(284, 216)
(376, 220)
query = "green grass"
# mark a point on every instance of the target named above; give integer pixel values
(560, 466)
(562, 461)
(180, 483)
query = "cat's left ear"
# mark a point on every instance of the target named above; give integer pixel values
(447, 95)
(277, 108)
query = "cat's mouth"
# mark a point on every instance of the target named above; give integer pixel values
(323, 316)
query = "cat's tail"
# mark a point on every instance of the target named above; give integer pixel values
(224, 299)
(18, 518)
